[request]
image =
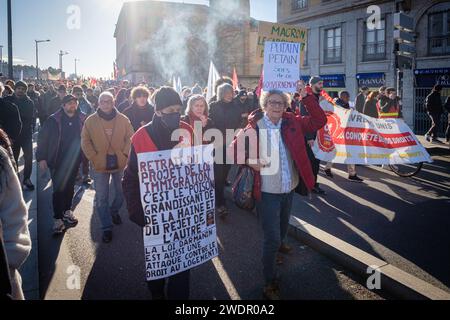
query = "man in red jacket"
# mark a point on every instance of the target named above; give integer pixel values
(156, 136)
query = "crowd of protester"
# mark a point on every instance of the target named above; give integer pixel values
(100, 129)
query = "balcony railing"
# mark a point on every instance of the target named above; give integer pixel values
(333, 55)
(374, 51)
(438, 46)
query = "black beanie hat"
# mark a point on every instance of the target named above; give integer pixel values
(69, 98)
(166, 97)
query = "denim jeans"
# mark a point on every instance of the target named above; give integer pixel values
(274, 211)
(102, 190)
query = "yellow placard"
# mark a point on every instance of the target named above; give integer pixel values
(282, 33)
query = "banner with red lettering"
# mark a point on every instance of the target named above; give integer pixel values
(354, 138)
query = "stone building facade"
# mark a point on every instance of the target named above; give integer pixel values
(349, 55)
(157, 40)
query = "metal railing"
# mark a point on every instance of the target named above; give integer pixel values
(439, 45)
(374, 51)
(422, 121)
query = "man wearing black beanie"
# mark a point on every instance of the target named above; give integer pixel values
(156, 136)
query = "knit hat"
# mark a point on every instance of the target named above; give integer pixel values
(166, 97)
(315, 80)
(21, 84)
(68, 98)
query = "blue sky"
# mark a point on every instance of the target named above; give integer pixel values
(93, 44)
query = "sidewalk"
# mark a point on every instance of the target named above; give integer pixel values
(30, 269)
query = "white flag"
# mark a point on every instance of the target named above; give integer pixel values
(179, 87)
(212, 78)
(21, 75)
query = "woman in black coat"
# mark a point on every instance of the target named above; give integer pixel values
(370, 107)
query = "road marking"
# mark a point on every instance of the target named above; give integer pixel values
(227, 283)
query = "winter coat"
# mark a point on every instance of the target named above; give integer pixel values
(293, 130)
(388, 108)
(95, 143)
(46, 100)
(370, 108)
(227, 115)
(54, 106)
(139, 117)
(341, 103)
(190, 119)
(433, 103)
(360, 102)
(14, 222)
(10, 120)
(85, 106)
(49, 138)
(27, 113)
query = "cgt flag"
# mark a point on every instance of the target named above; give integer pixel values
(350, 137)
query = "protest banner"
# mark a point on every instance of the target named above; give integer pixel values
(276, 32)
(281, 66)
(350, 137)
(177, 194)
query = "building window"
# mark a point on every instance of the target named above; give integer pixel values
(375, 44)
(333, 45)
(439, 33)
(299, 4)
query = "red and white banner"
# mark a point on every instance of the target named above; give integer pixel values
(354, 138)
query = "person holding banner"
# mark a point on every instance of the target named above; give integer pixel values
(344, 102)
(388, 105)
(156, 136)
(361, 99)
(279, 133)
(370, 107)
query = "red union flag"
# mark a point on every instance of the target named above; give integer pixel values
(354, 138)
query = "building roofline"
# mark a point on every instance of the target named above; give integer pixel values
(126, 6)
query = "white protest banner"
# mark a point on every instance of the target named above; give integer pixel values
(281, 66)
(177, 194)
(350, 137)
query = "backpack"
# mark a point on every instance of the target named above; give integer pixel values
(243, 189)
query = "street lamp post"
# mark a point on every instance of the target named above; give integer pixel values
(37, 56)
(61, 54)
(10, 47)
(1, 60)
